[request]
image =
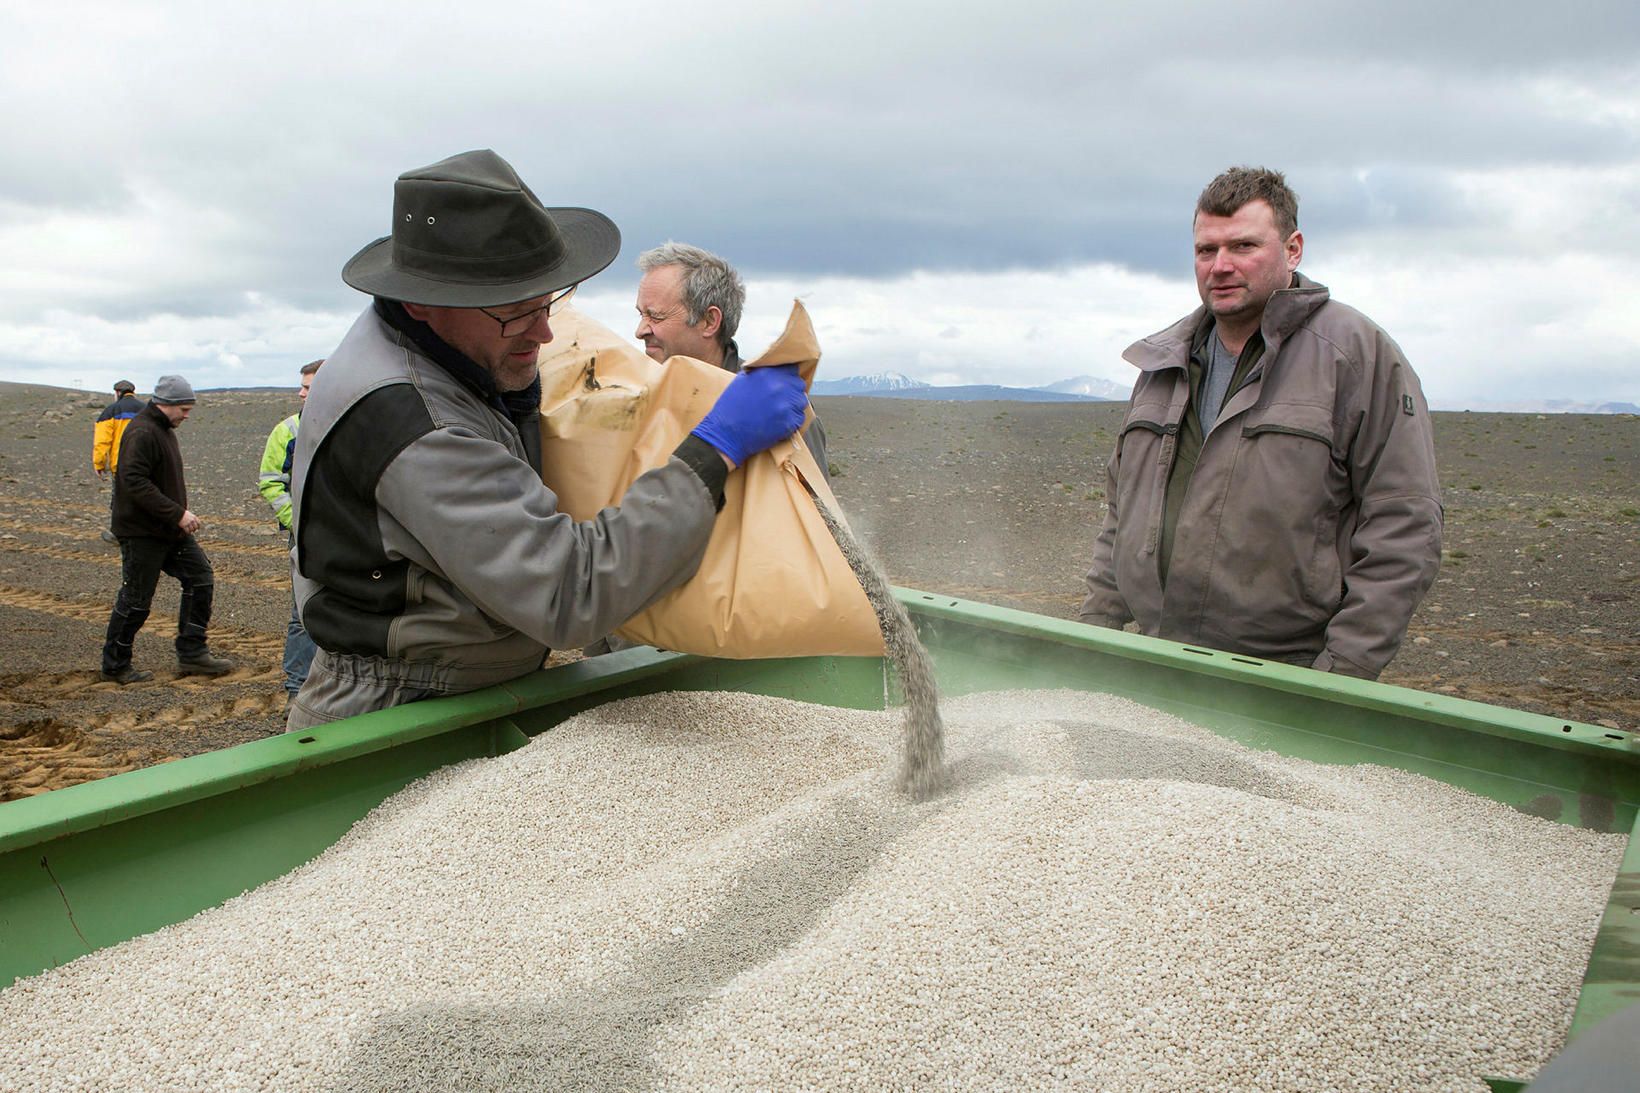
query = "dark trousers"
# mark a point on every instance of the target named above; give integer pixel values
(142, 560)
(299, 649)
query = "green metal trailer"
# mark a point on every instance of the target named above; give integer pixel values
(93, 865)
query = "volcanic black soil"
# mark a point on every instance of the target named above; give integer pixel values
(1537, 606)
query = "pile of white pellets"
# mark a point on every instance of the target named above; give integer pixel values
(721, 891)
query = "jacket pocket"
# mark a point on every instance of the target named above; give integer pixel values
(1146, 448)
(1291, 485)
(1290, 419)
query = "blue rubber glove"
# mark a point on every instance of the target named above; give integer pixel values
(759, 408)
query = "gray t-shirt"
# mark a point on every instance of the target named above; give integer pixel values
(1221, 368)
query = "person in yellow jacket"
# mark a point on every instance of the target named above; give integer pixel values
(105, 444)
(274, 485)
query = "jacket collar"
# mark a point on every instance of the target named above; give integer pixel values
(1287, 310)
(731, 357)
(153, 410)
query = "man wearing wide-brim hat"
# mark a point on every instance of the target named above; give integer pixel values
(430, 559)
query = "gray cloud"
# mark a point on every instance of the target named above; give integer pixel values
(205, 159)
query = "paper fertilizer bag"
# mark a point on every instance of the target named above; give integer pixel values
(773, 583)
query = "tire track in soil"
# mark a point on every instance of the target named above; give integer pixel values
(45, 603)
(43, 754)
(78, 535)
(44, 689)
(259, 647)
(83, 740)
(71, 506)
(235, 574)
(40, 754)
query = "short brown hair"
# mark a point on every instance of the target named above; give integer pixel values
(1225, 196)
(312, 366)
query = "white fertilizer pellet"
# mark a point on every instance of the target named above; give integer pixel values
(722, 891)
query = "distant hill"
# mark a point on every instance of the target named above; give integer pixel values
(1091, 387)
(896, 385)
(976, 392)
(1094, 389)
(1539, 406)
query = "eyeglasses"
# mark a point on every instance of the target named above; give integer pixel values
(514, 325)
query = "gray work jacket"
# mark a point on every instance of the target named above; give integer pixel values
(430, 559)
(1312, 526)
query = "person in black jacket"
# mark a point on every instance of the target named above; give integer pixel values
(156, 534)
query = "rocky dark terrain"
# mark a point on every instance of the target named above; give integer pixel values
(1537, 606)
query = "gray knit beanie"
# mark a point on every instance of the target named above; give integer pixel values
(173, 389)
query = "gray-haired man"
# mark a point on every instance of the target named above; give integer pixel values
(689, 305)
(430, 559)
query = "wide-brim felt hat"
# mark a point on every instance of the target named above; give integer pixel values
(467, 232)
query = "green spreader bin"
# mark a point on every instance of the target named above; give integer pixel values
(93, 865)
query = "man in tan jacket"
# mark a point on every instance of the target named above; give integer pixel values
(1273, 488)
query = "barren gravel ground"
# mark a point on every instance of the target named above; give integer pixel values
(1537, 606)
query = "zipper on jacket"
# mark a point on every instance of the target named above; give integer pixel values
(1158, 500)
(1169, 432)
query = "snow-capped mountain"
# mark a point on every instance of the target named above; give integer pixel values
(1090, 387)
(867, 385)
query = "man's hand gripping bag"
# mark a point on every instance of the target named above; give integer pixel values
(773, 583)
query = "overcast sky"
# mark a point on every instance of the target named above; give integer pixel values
(980, 193)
